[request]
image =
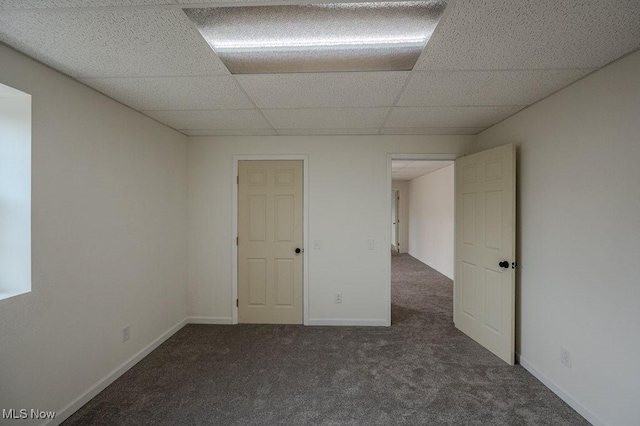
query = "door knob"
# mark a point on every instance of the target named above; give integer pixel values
(298, 251)
(504, 264)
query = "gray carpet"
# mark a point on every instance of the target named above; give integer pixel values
(419, 371)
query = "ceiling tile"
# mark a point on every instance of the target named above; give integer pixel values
(412, 169)
(499, 34)
(432, 131)
(112, 43)
(320, 90)
(326, 118)
(173, 93)
(230, 132)
(213, 119)
(43, 4)
(464, 88)
(373, 131)
(448, 116)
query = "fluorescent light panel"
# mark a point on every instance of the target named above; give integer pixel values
(385, 36)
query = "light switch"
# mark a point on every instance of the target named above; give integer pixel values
(317, 244)
(371, 244)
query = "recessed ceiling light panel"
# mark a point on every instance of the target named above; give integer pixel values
(383, 36)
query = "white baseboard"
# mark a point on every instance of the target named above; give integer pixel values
(431, 266)
(75, 405)
(210, 320)
(349, 322)
(553, 386)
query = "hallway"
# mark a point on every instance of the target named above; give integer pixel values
(419, 293)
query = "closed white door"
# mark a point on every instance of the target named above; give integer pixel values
(270, 242)
(484, 286)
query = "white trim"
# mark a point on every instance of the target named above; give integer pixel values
(76, 404)
(305, 229)
(387, 213)
(349, 322)
(430, 265)
(210, 320)
(112, 376)
(555, 388)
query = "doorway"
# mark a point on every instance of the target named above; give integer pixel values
(402, 170)
(484, 244)
(270, 214)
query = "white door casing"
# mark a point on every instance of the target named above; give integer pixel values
(270, 229)
(394, 219)
(484, 289)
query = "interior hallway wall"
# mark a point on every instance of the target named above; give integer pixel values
(579, 239)
(431, 219)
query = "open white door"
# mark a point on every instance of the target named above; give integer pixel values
(484, 285)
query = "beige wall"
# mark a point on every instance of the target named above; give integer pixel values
(109, 240)
(431, 220)
(579, 239)
(348, 205)
(403, 189)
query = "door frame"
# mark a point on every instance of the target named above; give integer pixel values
(395, 204)
(388, 190)
(305, 228)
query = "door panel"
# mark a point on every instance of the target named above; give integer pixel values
(285, 280)
(285, 207)
(484, 292)
(257, 217)
(270, 217)
(257, 281)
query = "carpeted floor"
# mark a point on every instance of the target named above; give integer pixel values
(419, 371)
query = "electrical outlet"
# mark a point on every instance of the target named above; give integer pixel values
(125, 333)
(371, 244)
(565, 357)
(317, 244)
(338, 298)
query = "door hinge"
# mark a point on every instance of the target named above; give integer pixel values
(237, 303)
(237, 242)
(238, 180)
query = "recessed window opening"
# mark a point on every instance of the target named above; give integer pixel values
(15, 192)
(328, 37)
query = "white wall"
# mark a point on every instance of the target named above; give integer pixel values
(109, 197)
(431, 220)
(349, 172)
(579, 239)
(403, 188)
(15, 192)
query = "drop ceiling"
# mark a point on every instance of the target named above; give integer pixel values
(412, 169)
(486, 60)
